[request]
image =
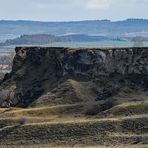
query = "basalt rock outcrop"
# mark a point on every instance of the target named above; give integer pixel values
(61, 75)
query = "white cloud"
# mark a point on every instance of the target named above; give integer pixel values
(73, 9)
(98, 4)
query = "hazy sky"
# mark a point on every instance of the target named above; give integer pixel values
(64, 10)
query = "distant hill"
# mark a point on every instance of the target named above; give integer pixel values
(129, 27)
(42, 39)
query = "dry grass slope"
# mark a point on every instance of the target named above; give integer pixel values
(73, 115)
(124, 124)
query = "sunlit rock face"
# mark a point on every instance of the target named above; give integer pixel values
(38, 70)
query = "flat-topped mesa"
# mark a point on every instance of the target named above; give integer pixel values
(85, 62)
(37, 70)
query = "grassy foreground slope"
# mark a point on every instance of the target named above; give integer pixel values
(70, 125)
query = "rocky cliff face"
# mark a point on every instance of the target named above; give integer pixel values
(41, 71)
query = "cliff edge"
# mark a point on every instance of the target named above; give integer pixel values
(50, 75)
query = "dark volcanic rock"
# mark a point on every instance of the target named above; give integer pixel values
(39, 70)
